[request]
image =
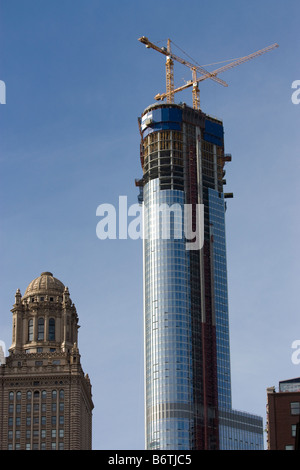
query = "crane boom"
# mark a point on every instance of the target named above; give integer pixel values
(239, 61)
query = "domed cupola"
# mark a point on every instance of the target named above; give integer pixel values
(45, 318)
(44, 285)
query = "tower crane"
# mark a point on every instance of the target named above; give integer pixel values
(170, 90)
(170, 67)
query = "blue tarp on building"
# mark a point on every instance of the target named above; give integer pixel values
(213, 133)
(163, 119)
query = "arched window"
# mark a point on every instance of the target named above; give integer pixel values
(51, 329)
(40, 329)
(30, 330)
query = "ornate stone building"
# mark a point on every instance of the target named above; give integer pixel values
(45, 398)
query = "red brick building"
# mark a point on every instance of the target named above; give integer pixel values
(283, 416)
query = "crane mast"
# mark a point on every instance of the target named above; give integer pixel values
(169, 75)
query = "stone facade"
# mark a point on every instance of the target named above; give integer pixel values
(45, 398)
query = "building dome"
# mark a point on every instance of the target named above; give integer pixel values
(45, 284)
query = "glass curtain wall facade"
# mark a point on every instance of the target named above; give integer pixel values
(240, 430)
(169, 375)
(187, 352)
(217, 226)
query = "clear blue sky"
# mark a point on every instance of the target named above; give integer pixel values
(77, 79)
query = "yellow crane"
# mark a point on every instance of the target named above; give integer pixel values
(170, 90)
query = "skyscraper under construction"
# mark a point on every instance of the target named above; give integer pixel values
(187, 354)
